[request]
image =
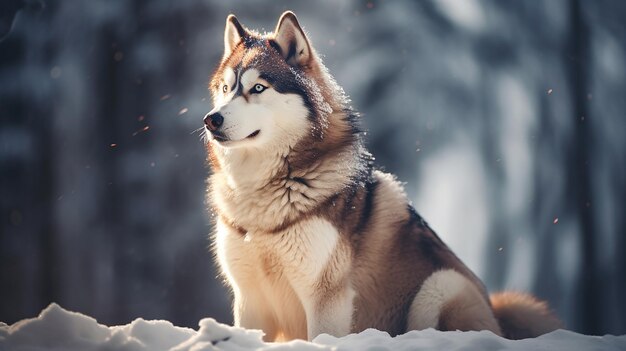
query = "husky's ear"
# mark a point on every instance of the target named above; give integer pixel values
(233, 34)
(291, 40)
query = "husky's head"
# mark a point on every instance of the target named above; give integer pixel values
(268, 90)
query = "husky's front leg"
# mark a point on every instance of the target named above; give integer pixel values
(238, 263)
(251, 312)
(330, 311)
(317, 266)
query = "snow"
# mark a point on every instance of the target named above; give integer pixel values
(58, 329)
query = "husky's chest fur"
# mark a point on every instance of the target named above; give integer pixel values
(277, 272)
(276, 244)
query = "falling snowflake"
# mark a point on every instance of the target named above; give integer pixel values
(141, 130)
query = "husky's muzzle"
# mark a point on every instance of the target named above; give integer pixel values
(214, 122)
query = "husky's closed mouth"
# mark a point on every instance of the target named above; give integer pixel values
(253, 134)
(222, 138)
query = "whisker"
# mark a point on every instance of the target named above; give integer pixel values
(197, 130)
(204, 137)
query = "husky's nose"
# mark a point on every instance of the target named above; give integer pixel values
(213, 120)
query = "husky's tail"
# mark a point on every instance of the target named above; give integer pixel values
(522, 316)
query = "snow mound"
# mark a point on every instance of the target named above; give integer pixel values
(58, 329)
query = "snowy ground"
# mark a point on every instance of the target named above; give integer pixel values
(58, 329)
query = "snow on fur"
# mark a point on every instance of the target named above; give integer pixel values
(58, 329)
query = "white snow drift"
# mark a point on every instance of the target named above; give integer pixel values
(58, 329)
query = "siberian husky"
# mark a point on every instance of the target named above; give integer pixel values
(310, 236)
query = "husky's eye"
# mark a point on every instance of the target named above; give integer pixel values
(225, 88)
(257, 89)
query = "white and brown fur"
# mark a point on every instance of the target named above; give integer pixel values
(310, 237)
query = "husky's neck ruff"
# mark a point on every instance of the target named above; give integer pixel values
(308, 147)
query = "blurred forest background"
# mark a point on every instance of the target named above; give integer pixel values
(506, 120)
